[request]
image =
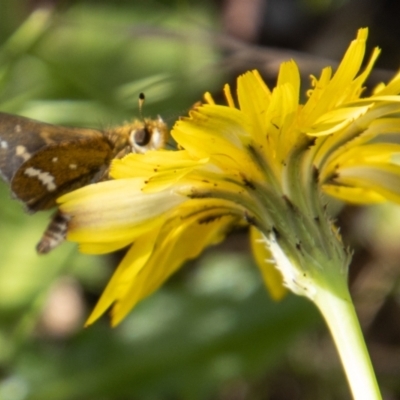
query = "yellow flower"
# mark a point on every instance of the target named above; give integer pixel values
(270, 162)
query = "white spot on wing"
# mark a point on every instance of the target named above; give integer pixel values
(3, 144)
(55, 159)
(18, 128)
(22, 152)
(44, 177)
(73, 166)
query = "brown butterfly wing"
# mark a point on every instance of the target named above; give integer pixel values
(42, 161)
(21, 138)
(60, 168)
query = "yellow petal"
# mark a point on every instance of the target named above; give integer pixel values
(220, 133)
(393, 87)
(254, 99)
(103, 247)
(363, 130)
(272, 277)
(354, 195)
(162, 170)
(228, 96)
(146, 165)
(336, 120)
(368, 154)
(115, 211)
(211, 129)
(383, 179)
(319, 85)
(168, 256)
(208, 98)
(130, 267)
(341, 87)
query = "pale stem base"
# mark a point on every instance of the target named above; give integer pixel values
(343, 324)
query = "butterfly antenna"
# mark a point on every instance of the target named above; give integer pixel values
(142, 98)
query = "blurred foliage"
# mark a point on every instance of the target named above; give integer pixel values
(211, 332)
(182, 342)
(85, 65)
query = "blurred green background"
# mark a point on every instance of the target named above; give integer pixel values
(211, 332)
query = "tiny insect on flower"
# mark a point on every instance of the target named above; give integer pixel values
(41, 161)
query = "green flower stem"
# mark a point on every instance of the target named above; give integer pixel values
(339, 314)
(320, 273)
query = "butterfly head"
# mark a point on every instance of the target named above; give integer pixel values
(148, 135)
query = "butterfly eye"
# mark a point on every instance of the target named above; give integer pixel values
(141, 137)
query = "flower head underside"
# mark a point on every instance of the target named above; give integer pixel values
(269, 161)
